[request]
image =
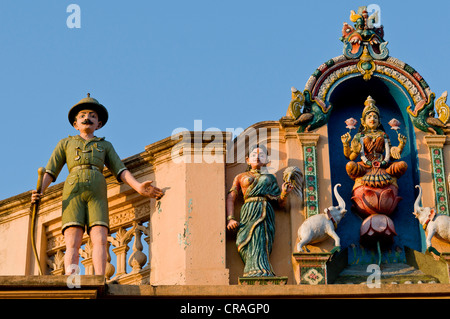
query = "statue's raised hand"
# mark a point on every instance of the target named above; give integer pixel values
(148, 190)
(401, 139)
(396, 151)
(345, 138)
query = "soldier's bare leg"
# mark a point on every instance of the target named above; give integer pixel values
(98, 236)
(73, 237)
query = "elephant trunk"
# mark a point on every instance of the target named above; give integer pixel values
(416, 203)
(340, 200)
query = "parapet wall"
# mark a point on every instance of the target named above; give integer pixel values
(182, 238)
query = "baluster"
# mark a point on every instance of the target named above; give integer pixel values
(57, 263)
(87, 255)
(147, 240)
(137, 258)
(120, 243)
(146, 231)
(110, 269)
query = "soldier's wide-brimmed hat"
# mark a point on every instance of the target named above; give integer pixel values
(89, 103)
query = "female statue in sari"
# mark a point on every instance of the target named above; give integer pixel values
(256, 228)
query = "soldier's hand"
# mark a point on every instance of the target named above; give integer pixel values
(35, 196)
(146, 189)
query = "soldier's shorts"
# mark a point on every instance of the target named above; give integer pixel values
(84, 200)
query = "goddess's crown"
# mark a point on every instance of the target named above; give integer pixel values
(370, 107)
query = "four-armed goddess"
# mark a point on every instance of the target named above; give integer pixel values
(375, 190)
(372, 144)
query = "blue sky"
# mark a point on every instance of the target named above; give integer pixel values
(160, 65)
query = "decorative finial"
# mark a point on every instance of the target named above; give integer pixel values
(89, 95)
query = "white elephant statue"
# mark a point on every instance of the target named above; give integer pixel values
(432, 223)
(319, 227)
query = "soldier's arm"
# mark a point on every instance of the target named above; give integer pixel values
(116, 166)
(53, 168)
(144, 188)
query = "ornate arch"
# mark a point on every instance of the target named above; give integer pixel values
(328, 73)
(365, 55)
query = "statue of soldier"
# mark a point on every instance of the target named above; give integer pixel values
(84, 198)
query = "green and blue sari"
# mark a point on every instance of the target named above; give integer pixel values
(257, 225)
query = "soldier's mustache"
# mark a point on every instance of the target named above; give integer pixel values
(87, 121)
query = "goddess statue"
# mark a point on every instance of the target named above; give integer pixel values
(372, 144)
(375, 190)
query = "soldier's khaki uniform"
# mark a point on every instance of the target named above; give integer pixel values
(84, 200)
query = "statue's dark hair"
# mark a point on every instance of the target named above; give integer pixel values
(253, 147)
